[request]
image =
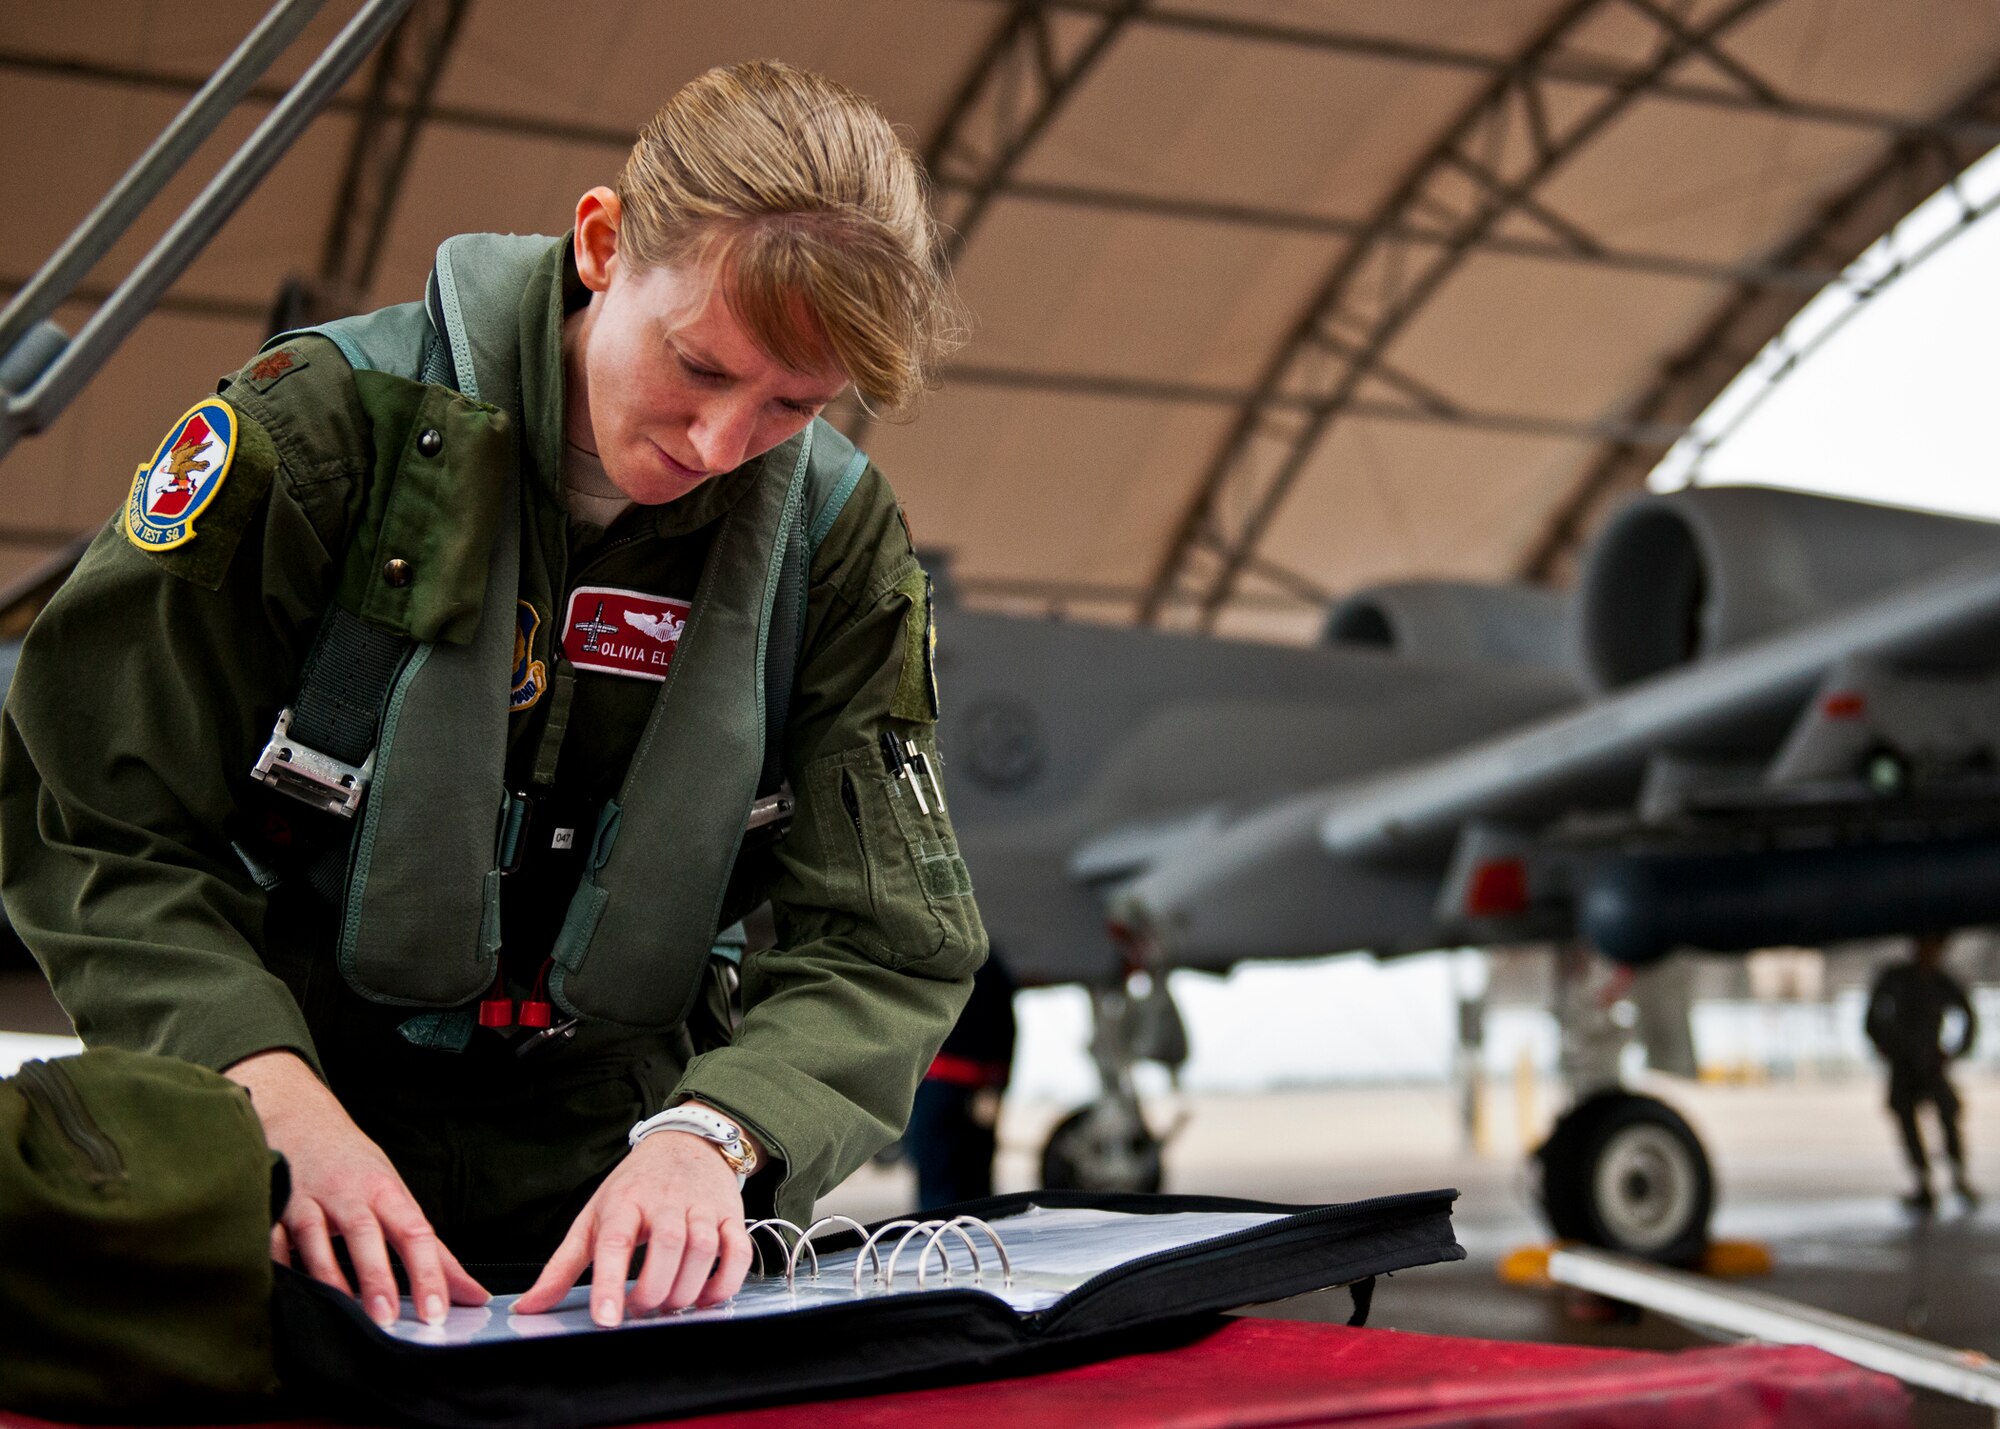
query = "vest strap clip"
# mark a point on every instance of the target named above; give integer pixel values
(295, 768)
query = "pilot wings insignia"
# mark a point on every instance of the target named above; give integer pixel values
(662, 627)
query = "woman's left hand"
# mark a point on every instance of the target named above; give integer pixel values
(673, 1194)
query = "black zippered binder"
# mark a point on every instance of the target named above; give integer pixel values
(333, 1357)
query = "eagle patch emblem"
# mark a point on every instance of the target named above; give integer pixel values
(183, 477)
(623, 632)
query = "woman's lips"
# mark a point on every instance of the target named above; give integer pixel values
(679, 468)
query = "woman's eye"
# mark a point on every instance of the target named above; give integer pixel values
(700, 373)
(799, 409)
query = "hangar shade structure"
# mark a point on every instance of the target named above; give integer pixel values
(1275, 297)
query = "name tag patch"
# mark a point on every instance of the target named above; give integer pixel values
(623, 632)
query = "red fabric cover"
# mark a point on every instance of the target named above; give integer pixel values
(1263, 1374)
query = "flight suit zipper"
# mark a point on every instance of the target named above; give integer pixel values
(851, 798)
(50, 1091)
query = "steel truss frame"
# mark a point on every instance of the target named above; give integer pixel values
(1755, 313)
(401, 88)
(1487, 166)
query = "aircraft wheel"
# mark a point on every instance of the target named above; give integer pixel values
(1627, 1173)
(1101, 1148)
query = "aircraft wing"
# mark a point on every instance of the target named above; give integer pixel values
(1300, 863)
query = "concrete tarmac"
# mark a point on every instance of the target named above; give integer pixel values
(1811, 1169)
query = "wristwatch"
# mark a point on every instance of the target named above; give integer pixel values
(711, 1126)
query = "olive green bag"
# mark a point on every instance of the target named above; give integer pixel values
(136, 1199)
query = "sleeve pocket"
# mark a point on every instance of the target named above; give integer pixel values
(893, 867)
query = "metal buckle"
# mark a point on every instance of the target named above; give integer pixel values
(772, 812)
(303, 773)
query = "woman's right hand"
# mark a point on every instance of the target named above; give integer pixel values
(343, 1185)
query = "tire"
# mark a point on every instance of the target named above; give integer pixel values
(1079, 1157)
(1627, 1173)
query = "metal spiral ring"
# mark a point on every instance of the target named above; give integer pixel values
(871, 1246)
(923, 1256)
(934, 1227)
(792, 1262)
(776, 1226)
(999, 1246)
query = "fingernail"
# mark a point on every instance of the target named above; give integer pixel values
(434, 1310)
(605, 1312)
(381, 1311)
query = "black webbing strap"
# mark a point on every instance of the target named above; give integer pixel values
(343, 684)
(1363, 1292)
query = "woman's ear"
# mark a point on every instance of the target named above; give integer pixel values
(598, 214)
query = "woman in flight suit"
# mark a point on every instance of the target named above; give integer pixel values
(525, 546)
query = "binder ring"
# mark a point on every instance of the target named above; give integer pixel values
(792, 1261)
(999, 1248)
(923, 1256)
(775, 1227)
(870, 1245)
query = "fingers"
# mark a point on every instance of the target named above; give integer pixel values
(697, 1260)
(370, 1254)
(657, 1277)
(563, 1268)
(416, 1245)
(617, 1238)
(281, 1245)
(306, 1224)
(732, 1264)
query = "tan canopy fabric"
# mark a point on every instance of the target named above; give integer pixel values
(1274, 297)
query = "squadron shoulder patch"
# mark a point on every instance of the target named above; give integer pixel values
(183, 478)
(531, 676)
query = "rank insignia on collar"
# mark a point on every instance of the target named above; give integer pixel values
(623, 632)
(183, 477)
(531, 676)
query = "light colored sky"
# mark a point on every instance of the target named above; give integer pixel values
(1898, 404)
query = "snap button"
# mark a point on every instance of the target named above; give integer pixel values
(430, 441)
(397, 573)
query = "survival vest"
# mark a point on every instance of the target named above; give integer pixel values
(406, 736)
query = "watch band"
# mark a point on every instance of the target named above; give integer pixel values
(711, 1126)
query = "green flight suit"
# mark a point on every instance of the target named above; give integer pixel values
(150, 683)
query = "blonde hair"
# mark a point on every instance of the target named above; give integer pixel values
(795, 193)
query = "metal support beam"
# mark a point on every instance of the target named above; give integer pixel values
(33, 409)
(1019, 83)
(1759, 1315)
(1581, 70)
(1655, 435)
(1754, 314)
(400, 91)
(1508, 137)
(1571, 68)
(1017, 86)
(37, 298)
(1194, 210)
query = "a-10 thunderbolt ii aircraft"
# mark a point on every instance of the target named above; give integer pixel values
(1761, 718)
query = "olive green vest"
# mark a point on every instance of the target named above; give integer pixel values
(420, 916)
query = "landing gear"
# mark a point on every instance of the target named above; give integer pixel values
(1102, 1147)
(1626, 1172)
(1107, 1146)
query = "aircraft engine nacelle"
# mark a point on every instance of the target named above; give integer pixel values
(1677, 577)
(1457, 622)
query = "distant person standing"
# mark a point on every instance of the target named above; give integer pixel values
(1906, 1012)
(954, 1125)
